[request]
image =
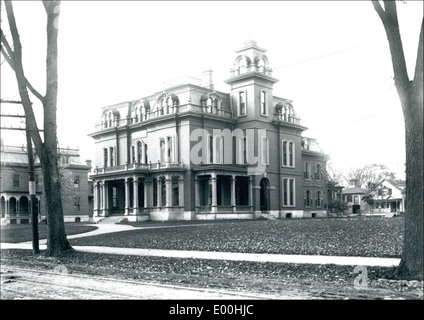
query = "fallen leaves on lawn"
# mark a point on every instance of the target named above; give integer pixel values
(369, 237)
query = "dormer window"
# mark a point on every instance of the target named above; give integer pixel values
(168, 103)
(136, 114)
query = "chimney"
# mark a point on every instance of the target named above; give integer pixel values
(207, 81)
(88, 163)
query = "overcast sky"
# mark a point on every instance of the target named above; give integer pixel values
(331, 58)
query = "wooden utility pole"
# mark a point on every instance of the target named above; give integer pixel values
(31, 183)
(32, 191)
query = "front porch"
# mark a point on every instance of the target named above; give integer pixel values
(222, 195)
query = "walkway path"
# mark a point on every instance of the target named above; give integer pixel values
(280, 258)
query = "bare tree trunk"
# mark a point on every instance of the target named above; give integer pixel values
(411, 98)
(411, 265)
(57, 242)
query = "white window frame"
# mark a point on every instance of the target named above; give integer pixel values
(169, 149)
(105, 157)
(162, 157)
(242, 94)
(308, 200)
(307, 174)
(263, 104)
(285, 154)
(290, 194)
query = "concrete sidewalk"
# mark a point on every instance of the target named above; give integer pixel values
(210, 255)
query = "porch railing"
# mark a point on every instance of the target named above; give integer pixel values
(134, 166)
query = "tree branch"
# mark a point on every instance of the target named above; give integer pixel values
(391, 26)
(418, 75)
(379, 9)
(7, 50)
(49, 4)
(22, 81)
(9, 56)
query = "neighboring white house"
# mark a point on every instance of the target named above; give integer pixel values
(389, 198)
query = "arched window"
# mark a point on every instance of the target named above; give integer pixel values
(209, 105)
(110, 119)
(291, 154)
(145, 153)
(105, 157)
(133, 154)
(289, 192)
(136, 114)
(12, 205)
(169, 156)
(288, 153)
(263, 66)
(215, 104)
(112, 160)
(146, 112)
(263, 103)
(242, 103)
(162, 150)
(168, 105)
(161, 107)
(105, 120)
(240, 65)
(139, 152)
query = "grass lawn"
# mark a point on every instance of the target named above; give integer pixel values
(14, 233)
(372, 237)
(359, 236)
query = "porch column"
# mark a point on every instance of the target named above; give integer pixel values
(135, 201)
(196, 195)
(146, 196)
(127, 196)
(168, 182)
(181, 192)
(95, 199)
(104, 198)
(214, 207)
(233, 193)
(250, 194)
(159, 193)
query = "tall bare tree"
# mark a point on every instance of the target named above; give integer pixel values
(372, 174)
(411, 97)
(46, 148)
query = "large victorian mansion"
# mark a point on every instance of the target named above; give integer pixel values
(190, 152)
